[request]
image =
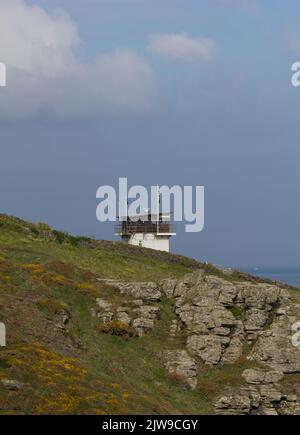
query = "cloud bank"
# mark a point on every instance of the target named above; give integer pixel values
(180, 47)
(45, 74)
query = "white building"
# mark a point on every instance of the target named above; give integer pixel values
(147, 231)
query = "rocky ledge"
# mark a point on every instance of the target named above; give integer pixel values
(221, 322)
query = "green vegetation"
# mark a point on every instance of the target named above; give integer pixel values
(117, 328)
(83, 367)
(213, 380)
(238, 312)
(36, 244)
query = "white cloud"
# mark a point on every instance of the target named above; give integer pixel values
(34, 41)
(181, 47)
(45, 74)
(123, 78)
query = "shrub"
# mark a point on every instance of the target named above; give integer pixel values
(88, 289)
(59, 236)
(60, 280)
(35, 231)
(237, 311)
(52, 306)
(32, 268)
(68, 269)
(62, 237)
(117, 328)
(2, 260)
(4, 279)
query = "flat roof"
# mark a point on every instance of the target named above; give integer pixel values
(146, 216)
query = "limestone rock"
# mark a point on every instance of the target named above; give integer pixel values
(147, 291)
(260, 400)
(167, 287)
(12, 385)
(180, 363)
(218, 317)
(148, 311)
(274, 346)
(136, 313)
(142, 325)
(254, 376)
(272, 377)
(174, 328)
(233, 352)
(270, 394)
(123, 317)
(103, 305)
(106, 316)
(207, 347)
(268, 411)
(233, 404)
(103, 310)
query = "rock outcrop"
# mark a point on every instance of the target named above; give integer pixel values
(263, 396)
(274, 345)
(222, 321)
(179, 363)
(12, 385)
(140, 310)
(221, 316)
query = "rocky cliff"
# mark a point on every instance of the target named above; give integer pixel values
(222, 322)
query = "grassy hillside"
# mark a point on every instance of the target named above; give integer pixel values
(78, 369)
(71, 366)
(29, 243)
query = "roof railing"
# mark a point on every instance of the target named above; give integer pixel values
(128, 228)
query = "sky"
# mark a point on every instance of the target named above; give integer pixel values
(185, 92)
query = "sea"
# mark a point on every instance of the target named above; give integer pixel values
(288, 276)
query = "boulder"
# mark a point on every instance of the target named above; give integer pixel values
(167, 287)
(142, 325)
(179, 362)
(123, 317)
(147, 291)
(233, 404)
(12, 385)
(233, 352)
(274, 346)
(208, 347)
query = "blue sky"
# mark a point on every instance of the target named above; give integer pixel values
(169, 92)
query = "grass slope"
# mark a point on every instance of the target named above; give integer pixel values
(77, 369)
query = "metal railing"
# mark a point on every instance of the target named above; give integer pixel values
(128, 228)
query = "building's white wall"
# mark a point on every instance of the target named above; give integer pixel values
(160, 243)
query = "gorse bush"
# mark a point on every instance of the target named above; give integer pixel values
(52, 306)
(117, 328)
